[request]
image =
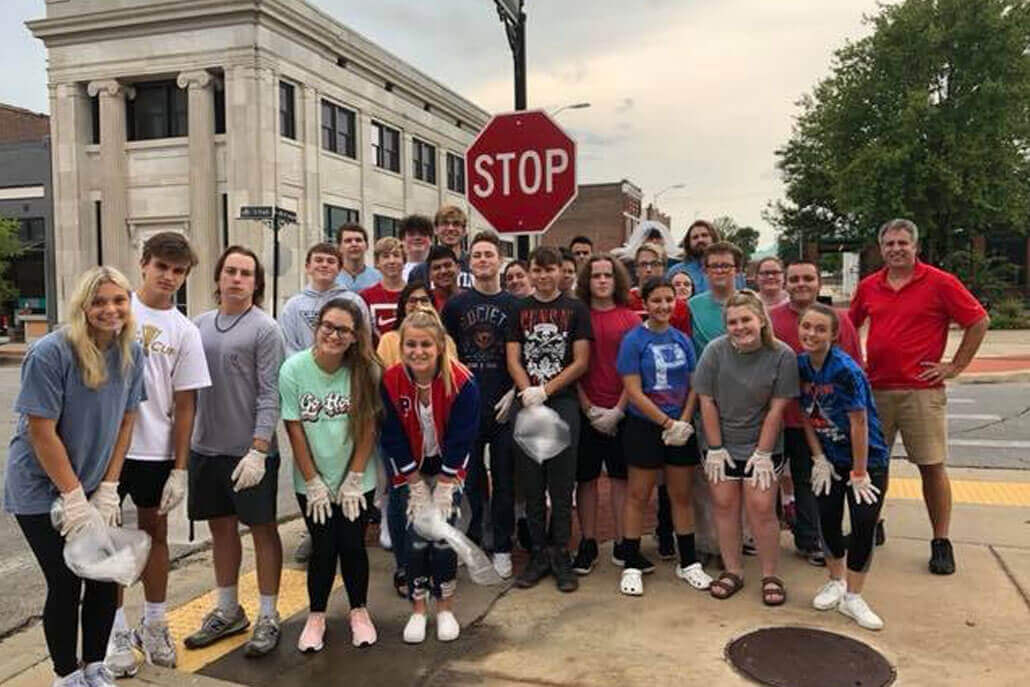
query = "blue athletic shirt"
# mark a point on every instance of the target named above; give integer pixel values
(664, 362)
(828, 395)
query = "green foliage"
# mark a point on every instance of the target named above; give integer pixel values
(988, 277)
(745, 238)
(926, 118)
(10, 248)
(1009, 314)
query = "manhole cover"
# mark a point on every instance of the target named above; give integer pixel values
(804, 657)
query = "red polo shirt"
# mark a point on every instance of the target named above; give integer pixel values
(785, 327)
(909, 326)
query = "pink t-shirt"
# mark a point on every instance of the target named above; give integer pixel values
(602, 383)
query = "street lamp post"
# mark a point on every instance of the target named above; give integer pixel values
(574, 106)
(513, 16)
(667, 188)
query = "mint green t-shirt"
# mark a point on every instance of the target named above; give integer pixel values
(321, 403)
(706, 321)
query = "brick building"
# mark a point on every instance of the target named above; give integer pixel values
(607, 213)
(18, 125)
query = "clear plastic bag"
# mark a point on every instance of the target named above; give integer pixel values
(430, 525)
(541, 433)
(105, 554)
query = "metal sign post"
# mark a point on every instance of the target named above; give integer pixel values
(275, 218)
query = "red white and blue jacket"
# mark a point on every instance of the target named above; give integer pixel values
(456, 418)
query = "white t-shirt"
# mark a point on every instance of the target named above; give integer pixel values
(430, 445)
(408, 266)
(175, 361)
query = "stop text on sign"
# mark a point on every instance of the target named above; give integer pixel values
(531, 171)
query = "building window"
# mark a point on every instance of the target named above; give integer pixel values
(336, 217)
(338, 129)
(384, 226)
(219, 110)
(423, 161)
(158, 111)
(94, 117)
(287, 121)
(455, 173)
(386, 147)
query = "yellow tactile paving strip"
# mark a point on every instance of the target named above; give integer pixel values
(967, 491)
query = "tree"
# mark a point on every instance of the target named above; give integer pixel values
(745, 238)
(926, 118)
(10, 248)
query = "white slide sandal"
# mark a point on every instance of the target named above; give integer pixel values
(632, 582)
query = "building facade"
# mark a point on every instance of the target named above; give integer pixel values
(174, 115)
(607, 213)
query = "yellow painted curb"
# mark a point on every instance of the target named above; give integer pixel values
(967, 491)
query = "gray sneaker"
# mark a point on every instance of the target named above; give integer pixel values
(122, 660)
(155, 641)
(218, 624)
(98, 675)
(76, 679)
(303, 551)
(265, 637)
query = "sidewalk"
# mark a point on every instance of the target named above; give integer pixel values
(970, 628)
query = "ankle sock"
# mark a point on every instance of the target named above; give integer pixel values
(688, 554)
(153, 612)
(266, 605)
(849, 596)
(228, 599)
(120, 622)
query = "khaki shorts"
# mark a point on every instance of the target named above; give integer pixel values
(921, 415)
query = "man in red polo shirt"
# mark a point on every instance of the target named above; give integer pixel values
(909, 306)
(802, 285)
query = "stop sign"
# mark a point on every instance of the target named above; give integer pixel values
(521, 172)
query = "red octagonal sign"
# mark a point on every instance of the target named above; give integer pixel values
(521, 172)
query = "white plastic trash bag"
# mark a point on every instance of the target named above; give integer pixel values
(104, 554)
(430, 525)
(541, 433)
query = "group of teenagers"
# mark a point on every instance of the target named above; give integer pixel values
(398, 384)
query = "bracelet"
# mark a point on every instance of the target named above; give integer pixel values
(858, 474)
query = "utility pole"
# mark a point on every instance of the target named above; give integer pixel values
(513, 16)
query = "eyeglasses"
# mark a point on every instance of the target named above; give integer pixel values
(328, 329)
(648, 264)
(720, 266)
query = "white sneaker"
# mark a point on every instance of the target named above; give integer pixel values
(447, 628)
(122, 659)
(695, 576)
(502, 564)
(830, 595)
(415, 630)
(74, 679)
(384, 535)
(98, 675)
(155, 641)
(858, 610)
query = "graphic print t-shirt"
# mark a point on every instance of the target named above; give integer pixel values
(382, 303)
(478, 323)
(664, 362)
(546, 332)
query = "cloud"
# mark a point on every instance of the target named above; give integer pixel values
(625, 105)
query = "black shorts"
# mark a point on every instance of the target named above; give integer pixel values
(144, 481)
(211, 494)
(737, 471)
(643, 446)
(596, 448)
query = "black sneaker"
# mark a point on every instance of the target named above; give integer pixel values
(400, 583)
(586, 557)
(748, 548)
(522, 532)
(666, 545)
(537, 568)
(881, 533)
(562, 570)
(816, 557)
(618, 558)
(375, 516)
(641, 563)
(942, 558)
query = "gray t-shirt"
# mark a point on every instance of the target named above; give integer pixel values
(742, 384)
(87, 419)
(242, 402)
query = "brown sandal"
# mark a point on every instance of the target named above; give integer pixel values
(727, 585)
(773, 591)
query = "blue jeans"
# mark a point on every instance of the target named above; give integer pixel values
(431, 567)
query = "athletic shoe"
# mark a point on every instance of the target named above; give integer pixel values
(415, 629)
(400, 583)
(881, 533)
(265, 637)
(122, 660)
(155, 641)
(942, 558)
(858, 610)
(830, 595)
(98, 675)
(375, 516)
(522, 532)
(618, 558)
(447, 627)
(73, 679)
(666, 545)
(218, 624)
(640, 562)
(561, 567)
(502, 564)
(303, 551)
(385, 542)
(312, 637)
(695, 576)
(816, 557)
(586, 557)
(537, 569)
(748, 548)
(362, 631)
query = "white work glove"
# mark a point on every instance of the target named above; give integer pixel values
(173, 492)
(105, 500)
(605, 420)
(320, 505)
(823, 475)
(443, 498)
(865, 490)
(533, 396)
(760, 469)
(249, 471)
(418, 498)
(678, 434)
(351, 495)
(716, 462)
(503, 406)
(78, 514)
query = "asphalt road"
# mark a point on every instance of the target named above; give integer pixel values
(989, 428)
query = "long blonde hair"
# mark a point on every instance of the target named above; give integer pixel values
(92, 363)
(746, 298)
(428, 319)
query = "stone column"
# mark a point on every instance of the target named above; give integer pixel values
(309, 127)
(204, 234)
(117, 248)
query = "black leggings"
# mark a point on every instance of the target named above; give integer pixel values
(863, 521)
(63, 594)
(338, 539)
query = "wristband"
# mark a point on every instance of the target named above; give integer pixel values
(858, 474)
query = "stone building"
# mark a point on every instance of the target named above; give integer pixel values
(173, 115)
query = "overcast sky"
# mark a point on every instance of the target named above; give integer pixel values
(698, 92)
